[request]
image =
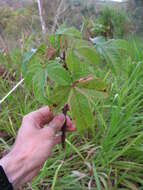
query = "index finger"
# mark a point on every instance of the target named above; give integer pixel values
(41, 116)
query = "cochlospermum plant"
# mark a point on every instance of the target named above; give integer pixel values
(62, 75)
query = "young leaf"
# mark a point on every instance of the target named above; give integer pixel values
(58, 74)
(81, 111)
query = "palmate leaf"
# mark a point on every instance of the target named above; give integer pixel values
(73, 86)
(58, 74)
(59, 97)
(81, 111)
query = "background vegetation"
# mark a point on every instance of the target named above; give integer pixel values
(21, 18)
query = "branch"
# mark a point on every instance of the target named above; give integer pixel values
(43, 24)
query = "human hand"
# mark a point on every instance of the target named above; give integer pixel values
(33, 145)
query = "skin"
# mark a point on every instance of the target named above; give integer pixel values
(35, 140)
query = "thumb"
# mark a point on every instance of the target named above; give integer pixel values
(55, 125)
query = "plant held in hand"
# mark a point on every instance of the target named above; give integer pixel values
(64, 74)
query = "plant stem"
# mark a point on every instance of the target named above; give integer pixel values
(65, 109)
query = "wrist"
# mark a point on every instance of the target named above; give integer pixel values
(13, 166)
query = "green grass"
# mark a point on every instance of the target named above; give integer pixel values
(113, 160)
